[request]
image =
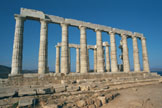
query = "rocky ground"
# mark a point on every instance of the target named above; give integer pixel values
(149, 96)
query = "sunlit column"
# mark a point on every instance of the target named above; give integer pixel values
(57, 69)
(77, 60)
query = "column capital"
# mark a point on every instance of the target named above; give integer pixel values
(143, 38)
(19, 17)
(80, 26)
(124, 36)
(63, 24)
(111, 33)
(97, 30)
(44, 20)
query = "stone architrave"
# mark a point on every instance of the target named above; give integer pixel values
(146, 67)
(100, 61)
(18, 46)
(43, 48)
(77, 60)
(107, 59)
(83, 50)
(57, 70)
(126, 64)
(95, 59)
(114, 64)
(136, 55)
(64, 49)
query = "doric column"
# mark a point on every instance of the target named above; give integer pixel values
(64, 50)
(100, 61)
(95, 59)
(88, 58)
(69, 60)
(18, 46)
(77, 60)
(146, 67)
(126, 64)
(43, 48)
(57, 68)
(136, 55)
(107, 58)
(114, 64)
(83, 50)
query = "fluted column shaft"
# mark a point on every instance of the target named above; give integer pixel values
(43, 48)
(88, 59)
(64, 50)
(114, 64)
(57, 70)
(125, 54)
(136, 55)
(77, 60)
(100, 61)
(83, 50)
(95, 60)
(107, 59)
(18, 46)
(146, 67)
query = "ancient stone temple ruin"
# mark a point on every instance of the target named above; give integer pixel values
(82, 62)
(83, 88)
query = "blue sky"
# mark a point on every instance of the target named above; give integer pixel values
(144, 16)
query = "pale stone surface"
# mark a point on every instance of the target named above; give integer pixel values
(77, 60)
(26, 101)
(69, 60)
(146, 67)
(136, 55)
(83, 50)
(88, 59)
(64, 50)
(43, 48)
(18, 46)
(125, 54)
(114, 64)
(57, 70)
(107, 58)
(95, 60)
(100, 61)
(26, 91)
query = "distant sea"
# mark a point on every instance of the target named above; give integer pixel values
(159, 72)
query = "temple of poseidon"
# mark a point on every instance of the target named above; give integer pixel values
(80, 89)
(82, 62)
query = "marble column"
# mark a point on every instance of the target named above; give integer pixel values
(57, 67)
(114, 64)
(126, 64)
(69, 60)
(100, 61)
(88, 59)
(83, 50)
(107, 58)
(43, 48)
(18, 46)
(146, 67)
(136, 54)
(77, 60)
(64, 49)
(95, 59)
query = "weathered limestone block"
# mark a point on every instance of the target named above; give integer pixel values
(81, 103)
(7, 92)
(32, 13)
(55, 19)
(102, 99)
(73, 22)
(97, 103)
(84, 87)
(90, 101)
(73, 88)
(138, 34)
(92, 106)
(26, 101)
(44, 90)
(26, 92)
(60, 88)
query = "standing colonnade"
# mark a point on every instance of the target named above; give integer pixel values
(81, 58)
